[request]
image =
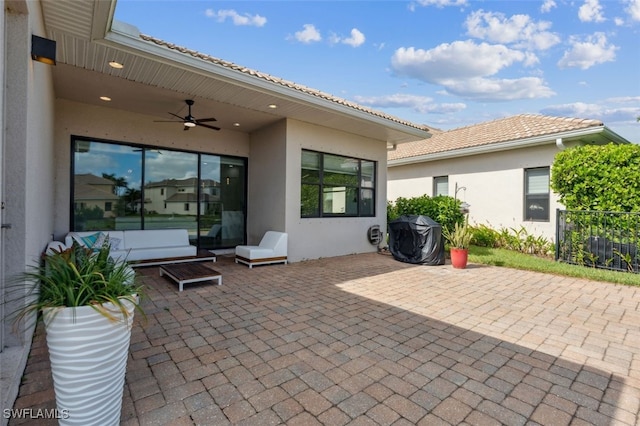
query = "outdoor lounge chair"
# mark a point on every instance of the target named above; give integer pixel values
(272, 249)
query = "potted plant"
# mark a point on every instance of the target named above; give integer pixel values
(459, 239)
(87, 301)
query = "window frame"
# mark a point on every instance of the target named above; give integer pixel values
(82, 143)
(436, 179)
(360, 188)
(544, 198)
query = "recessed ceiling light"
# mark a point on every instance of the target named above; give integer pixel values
(116, 65)
(105, 98)
(236, 124)
(272, 106)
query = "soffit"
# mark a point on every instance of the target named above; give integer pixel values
(158, 77)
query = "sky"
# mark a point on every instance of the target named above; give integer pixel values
(442, 63)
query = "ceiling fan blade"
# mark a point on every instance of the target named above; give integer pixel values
(167, 121)
(176, 115)
(206, 119)
(207, 126)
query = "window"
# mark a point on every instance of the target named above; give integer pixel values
(536, 194)
(440, 185)
(125, 186)
(336, 186)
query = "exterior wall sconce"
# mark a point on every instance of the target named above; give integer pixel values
(43, 50)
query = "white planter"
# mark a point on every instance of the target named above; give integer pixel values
(88, 353)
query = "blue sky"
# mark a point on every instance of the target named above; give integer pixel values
(443, 63)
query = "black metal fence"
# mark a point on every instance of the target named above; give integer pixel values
(608, 240)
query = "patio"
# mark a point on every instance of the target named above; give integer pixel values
(365, 339)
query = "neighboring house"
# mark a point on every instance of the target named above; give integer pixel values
(92, 192)
(278, 147)
(180, 196)
(501, 167)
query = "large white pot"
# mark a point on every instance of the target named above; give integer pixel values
(88, 353)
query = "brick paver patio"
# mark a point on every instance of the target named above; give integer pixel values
(365, 339)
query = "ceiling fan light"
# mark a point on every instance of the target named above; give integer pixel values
(189, 124)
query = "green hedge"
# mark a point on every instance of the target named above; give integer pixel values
(443, 209)
(602, 178)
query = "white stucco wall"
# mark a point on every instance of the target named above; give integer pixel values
(77, 119)
(267, 197)
(494, 185)
(27, 175)
(326, 237)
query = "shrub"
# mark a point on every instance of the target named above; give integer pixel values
(603, 178)
(484, 236)
(519, 240)
(443, 209)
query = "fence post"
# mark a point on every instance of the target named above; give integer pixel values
(557, 234)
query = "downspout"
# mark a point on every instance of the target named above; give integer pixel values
(560, 145)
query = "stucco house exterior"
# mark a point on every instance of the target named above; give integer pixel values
(501, 168)
(85, 115)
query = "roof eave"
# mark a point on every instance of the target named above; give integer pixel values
(133, 44)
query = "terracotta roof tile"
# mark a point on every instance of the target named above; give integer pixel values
(513, 128)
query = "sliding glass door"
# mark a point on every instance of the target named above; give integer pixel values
(119, 186)
(223, 205)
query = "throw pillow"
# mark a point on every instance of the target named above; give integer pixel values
(90, 240)
(97, 245)
(115, 243)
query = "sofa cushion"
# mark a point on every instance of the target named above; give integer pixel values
(156, 238)
(134, 245)
(95, 239)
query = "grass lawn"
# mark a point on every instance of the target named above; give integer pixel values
(512, 259)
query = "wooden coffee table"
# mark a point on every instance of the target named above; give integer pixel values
(185, 273)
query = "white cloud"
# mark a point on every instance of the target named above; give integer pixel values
(547, 6)
(591, 11)
(625, 100)
(309, 34)
(634, 9)
(457, 60)
(422, 104)
(238, 19)
(608, 110)
(355, 40)
(442, 3)
(519, 29)
(462, 68)
(588, 52)
(498, 90)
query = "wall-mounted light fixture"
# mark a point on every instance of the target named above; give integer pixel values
(43, 50)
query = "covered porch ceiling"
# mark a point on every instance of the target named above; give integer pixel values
(157, 77)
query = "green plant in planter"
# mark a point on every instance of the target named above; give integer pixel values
(80, 276)
(460, 236)
(88, 301)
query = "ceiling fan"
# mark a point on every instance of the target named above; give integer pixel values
(189, 120)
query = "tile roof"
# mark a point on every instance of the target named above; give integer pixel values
(280, 81)
(508, 129)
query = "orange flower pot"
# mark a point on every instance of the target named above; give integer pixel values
(459, 257)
